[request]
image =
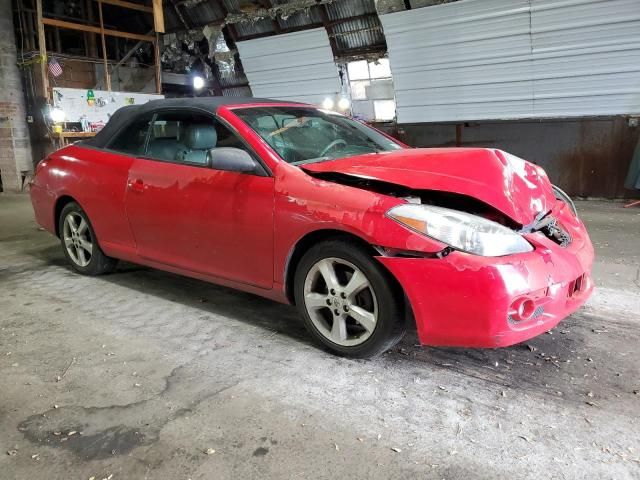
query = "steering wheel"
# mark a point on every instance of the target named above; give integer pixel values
(332, 145)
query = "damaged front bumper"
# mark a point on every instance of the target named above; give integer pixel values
(472, 301)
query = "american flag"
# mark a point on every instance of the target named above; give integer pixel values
(54, 67)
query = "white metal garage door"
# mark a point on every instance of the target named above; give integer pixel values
(504, 59)
(295, 66)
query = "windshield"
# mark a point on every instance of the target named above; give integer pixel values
(303, 135)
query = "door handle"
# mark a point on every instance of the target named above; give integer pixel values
(137, 186)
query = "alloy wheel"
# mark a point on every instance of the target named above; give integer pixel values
(340, 301)
(77, 239)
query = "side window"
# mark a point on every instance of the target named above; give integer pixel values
(226, 138)
(131, 139)
(186, 137)
(182, 137)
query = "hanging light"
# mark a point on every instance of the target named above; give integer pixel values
(343, 103)
(57, 115)
(198, 82)
(328, 103)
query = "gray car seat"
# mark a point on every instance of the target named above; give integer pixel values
(199, 139)
(165, 149)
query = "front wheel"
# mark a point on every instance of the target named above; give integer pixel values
(348, 302)
(79, 242)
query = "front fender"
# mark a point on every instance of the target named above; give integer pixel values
(304, 205)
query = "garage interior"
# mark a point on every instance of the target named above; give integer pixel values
(146, 374)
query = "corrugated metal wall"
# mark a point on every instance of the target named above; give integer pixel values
(506, 59)
(586, 57)
(295, 66)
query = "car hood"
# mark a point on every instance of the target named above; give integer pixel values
(517, 188)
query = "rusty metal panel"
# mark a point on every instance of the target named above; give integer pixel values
(295, 66)
(586, 157)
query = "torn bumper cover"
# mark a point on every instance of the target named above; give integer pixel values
(472, 301)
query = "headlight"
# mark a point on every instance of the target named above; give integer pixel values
(460, 230)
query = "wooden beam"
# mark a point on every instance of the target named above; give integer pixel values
(107, 75)
(88, 28)
(129, 5)
(158, 16)
(42, 46)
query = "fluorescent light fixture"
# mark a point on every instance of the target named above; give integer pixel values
(198, 82)
(57, 115)
(328, 103)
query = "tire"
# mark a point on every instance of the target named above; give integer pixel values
(321, 307)
(75, 245)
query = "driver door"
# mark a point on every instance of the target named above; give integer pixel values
(185, 214)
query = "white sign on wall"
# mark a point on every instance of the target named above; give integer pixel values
(95, 106)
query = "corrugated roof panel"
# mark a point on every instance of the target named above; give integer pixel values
(203, 13)
(359, 33)
(171, 20)
(231, 5)
(303, 18)
(245, 29)
(350, 8)
(294, 66)
(501, 59)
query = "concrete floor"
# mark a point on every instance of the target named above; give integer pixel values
(170, 378)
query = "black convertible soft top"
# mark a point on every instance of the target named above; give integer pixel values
(128, 114)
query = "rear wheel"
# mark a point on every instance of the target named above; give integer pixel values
(79, 242)
(348, 301)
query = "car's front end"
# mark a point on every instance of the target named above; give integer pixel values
(470, 300)
(513, 260)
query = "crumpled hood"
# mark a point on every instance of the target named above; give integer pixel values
(517, 188)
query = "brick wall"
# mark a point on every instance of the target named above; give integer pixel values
(15, 148)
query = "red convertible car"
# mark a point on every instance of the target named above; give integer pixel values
(306, 206)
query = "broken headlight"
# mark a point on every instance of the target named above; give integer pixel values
(460, 230)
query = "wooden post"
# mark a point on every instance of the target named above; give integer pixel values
(156, 47)
(158, 26)
(158, 16)
(107, 76)
(42, 45)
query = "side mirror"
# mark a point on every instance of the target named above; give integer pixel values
(232, 160)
